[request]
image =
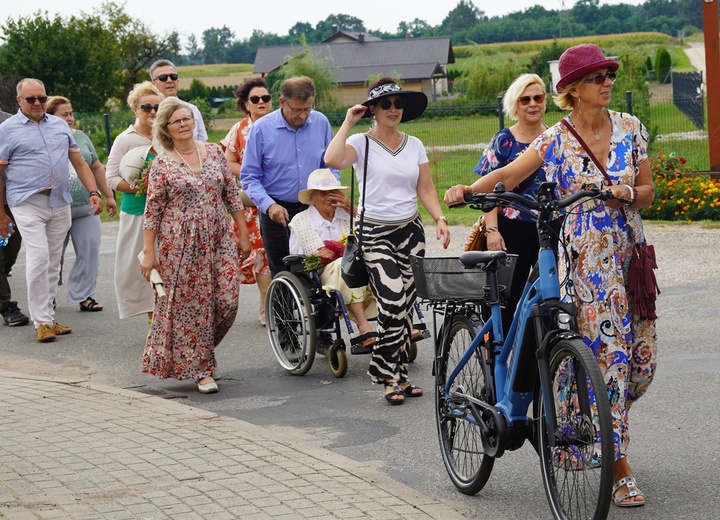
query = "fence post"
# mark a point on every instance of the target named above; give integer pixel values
(501, 114)
(106, 123)
(628, 102)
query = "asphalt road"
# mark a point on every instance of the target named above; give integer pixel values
(673, 428)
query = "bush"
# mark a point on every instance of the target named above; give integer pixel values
(663, 63)
(679, 195)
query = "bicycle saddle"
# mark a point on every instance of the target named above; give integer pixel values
(471, 259)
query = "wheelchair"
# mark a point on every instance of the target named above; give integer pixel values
(303, 320)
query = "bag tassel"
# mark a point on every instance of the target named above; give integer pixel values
(643, 284)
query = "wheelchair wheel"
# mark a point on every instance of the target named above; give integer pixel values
(290, 323)
(337, 359)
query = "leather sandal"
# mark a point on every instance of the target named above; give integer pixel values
(90, 305)
(412, 391)
(396, 396)
(632, 491)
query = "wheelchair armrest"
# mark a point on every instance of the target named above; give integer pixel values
(294, 263)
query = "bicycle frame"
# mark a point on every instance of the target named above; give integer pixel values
(513, 366)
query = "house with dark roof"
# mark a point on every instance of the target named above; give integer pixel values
(421, 63)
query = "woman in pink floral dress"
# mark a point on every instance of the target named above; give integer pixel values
(253, 98)
(188, 238)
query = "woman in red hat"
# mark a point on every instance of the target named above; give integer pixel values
(598, 236)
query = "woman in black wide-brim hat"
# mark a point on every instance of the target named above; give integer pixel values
(397, 175)
(600, 237)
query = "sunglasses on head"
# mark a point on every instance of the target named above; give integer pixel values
(164, 77)
(256, 99)
(149, 108)
(398, 102)
(525, 100)
(33, 99)
(599, 79)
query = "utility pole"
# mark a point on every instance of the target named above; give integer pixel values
(712, 66)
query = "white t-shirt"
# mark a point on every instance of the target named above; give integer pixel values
(393, 177)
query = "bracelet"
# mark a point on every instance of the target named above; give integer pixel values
(441, 217)
(95, 192)
(635, 195)
(632, 193)
(490, 230)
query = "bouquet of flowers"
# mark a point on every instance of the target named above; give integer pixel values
(331, 250)
(134, 167)
(141, 184)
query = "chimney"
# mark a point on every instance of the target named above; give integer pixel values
(335, 29)
(361, 37)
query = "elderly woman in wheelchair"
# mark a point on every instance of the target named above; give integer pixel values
(324, 224)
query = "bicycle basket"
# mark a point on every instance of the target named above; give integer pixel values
(444, 278)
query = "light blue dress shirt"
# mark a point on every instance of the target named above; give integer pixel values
(36, 157)
(279, 159)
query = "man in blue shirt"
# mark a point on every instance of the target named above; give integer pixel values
(36, 150)
(282, 150)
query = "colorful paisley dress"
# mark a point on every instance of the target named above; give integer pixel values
(599, 241)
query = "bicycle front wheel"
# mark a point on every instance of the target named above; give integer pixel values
(461, 443)
(577, 466)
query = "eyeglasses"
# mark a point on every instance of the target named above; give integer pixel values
(294, 110)
(398, 102)
(181, 121)
(525, 100)
(256, 99)
(149, 108)
(599, 79)
(164, 77)
(33, 99)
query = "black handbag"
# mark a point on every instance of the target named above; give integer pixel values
(352, 268)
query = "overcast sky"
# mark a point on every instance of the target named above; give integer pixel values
(275, 16)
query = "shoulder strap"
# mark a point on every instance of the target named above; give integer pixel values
(352, 192)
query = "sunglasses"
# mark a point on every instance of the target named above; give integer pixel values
(149, 108)
(599, 79)
(256, 99)
(525, 100)
(164, 77)
(33, 99)
(386, 103)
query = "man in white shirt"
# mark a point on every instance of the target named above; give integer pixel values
(165, 77)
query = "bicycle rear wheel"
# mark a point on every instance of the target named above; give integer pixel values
(577, 469)
(460, 440)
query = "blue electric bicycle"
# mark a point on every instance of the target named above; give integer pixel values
(487, 378)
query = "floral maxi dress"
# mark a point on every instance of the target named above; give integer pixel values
(600, 241)
(197, 253)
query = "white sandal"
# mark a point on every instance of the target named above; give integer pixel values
(632, 491)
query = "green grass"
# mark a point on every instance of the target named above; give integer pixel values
(221, 69)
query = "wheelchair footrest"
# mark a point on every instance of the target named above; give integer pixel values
(356, 343)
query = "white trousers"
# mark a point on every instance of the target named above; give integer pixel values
(43, 230)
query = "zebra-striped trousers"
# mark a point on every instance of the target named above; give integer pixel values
(386, 251)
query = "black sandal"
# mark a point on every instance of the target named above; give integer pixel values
(412, 391)
(396, 396)
(90, 305)
(364, 343)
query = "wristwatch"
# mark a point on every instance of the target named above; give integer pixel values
(441, 217)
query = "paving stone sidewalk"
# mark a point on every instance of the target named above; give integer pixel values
(79, 450)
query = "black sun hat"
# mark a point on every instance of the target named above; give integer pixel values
(415, 102)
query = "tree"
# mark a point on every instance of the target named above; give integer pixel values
(316, 66)
(464, 16)
(663, 63)
(73, 57)
(215, 41)
(137, 46)
(194, 53)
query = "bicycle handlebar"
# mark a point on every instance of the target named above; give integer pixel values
(500, 197)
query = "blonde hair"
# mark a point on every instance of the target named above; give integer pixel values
(515, 91)
(146, 88)
(54, 102)
(167, 108)
(563, 99)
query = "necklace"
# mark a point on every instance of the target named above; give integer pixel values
(596, 134)
(196, 170)
(531, 135)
